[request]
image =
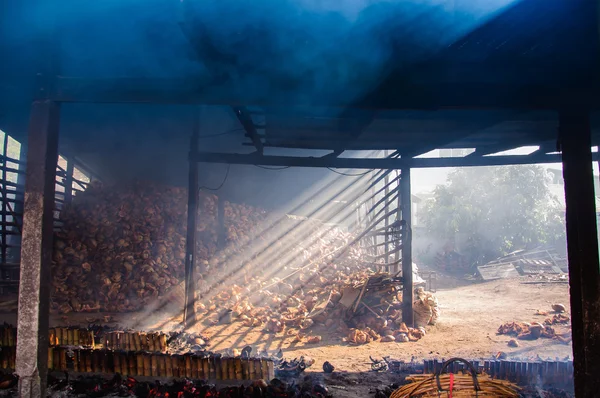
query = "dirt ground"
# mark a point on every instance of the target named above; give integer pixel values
(467, 328)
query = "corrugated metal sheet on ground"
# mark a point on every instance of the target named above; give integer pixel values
(498, 271)
(532, 267)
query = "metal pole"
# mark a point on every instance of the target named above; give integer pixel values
(387, 219)
(189, 312)
(582, 247)
(69, 180)
(407, 271)
(36, 252)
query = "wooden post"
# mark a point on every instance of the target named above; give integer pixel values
(36, 252)
(189, 312)
(407, 271)
(582, 247)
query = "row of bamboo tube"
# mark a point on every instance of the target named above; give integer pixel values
(71, 337)
(136, 341)
(56, 337)
(128, 341)
(160, 365)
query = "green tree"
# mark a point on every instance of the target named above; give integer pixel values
(497, 210)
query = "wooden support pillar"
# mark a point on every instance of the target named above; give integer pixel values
(189, 312)
(36, 249)
(582, 246)
(407, 271)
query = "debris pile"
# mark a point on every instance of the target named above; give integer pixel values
(535, 330)
(362, 306)
(526, 331)
(122, 246)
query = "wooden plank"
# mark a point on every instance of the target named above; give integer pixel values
(500, 271)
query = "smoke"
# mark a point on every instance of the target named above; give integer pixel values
(345, 46)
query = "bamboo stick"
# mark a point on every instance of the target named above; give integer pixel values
(77, 362)
(139, 362)
(88, 360)
(154, 364)
(246, 369)
(265, 369)
(136, 341)
(231, 369)
(194, 363)
(117, 361)
(251, 370)
(147, 365)
(168, 366)
(206, 368)
(50, 359)
(218, 369)
(132, 362)
(189, 366)
(237, 364)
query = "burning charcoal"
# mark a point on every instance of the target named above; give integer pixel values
(328, 367)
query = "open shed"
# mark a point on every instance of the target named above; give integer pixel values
(128, 84)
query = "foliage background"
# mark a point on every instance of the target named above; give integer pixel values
(496, 210)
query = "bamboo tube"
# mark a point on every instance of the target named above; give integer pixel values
(75, 337)
(117, 362)
(50, 359)
(147, 365)
(12, 357)
(251, 371)
(188, 366)
(258, 369)
(162, 342)
(245, 369)
(56, 358)
(124, 363)
(3, 336)
(88, 360)
(194, 363)
(95, 361)
(224, 368)
(77, 365)
(212, 372)
(151, 337)
(143, 340)
(131, 362)
(162, 371)
(271, 369)
(153, 364)
(175, 365)
(51, 338)
(231, 369)
(63, 359)
(218, 369)
(136, 341)
(69, 337)
(264, 364)
(5, 357)
(237, 365)
(139, 363)
(205, 368)
(168, 366)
